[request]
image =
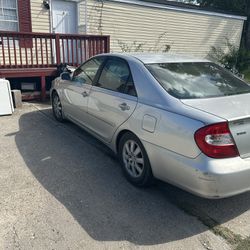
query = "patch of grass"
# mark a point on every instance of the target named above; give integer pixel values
(244, 245)
(227, 234)
(235, 240)
(213, 225)
(247, 75)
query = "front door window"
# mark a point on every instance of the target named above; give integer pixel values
(86, 73)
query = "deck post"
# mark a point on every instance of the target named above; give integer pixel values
(43, 88)
(58, 52)
(108, 44)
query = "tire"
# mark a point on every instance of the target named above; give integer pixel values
(134, 161)
(57, 107)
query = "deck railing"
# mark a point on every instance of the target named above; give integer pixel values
(44, 50)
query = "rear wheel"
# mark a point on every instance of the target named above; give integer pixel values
(134, 161)
(57, 107)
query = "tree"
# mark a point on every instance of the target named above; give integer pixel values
(241, 7)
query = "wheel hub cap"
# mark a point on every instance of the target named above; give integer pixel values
(57, 106)
(133, 158)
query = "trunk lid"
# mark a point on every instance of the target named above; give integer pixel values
(236, 110)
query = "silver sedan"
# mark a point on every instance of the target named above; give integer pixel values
(178, 119)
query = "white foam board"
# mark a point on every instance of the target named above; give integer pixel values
(6, 103)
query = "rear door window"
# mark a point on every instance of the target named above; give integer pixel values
(116, 76)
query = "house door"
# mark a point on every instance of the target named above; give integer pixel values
(64, 20)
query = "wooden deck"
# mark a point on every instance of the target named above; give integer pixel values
(39, 54)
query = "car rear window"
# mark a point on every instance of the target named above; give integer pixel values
(197, 80)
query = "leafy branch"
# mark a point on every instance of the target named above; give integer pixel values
(159, 45)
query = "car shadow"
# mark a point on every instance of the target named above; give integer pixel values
(84, 176)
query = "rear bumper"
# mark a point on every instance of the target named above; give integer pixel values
(203, 176)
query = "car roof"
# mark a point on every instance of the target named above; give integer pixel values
(148, 58)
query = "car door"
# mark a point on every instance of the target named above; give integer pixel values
(76, 92)
(112, 99)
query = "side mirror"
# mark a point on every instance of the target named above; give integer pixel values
(66, 76)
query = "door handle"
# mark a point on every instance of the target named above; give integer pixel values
(124, 106)
(84, 94)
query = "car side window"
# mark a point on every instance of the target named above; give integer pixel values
(86, 73)
(116, 76)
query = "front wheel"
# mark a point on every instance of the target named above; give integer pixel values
(134, 161)
(57, 107)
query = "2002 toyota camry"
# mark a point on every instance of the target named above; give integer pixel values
(182, 120)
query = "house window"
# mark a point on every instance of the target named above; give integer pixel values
(8, 15)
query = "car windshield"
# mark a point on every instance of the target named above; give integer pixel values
(197, 80)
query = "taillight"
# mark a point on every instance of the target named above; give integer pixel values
(216, 141)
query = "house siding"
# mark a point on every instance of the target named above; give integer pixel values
(40, 17)
(82, 16)
(132, 27)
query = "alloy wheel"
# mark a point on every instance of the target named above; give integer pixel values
(57, 106)
(133, 158)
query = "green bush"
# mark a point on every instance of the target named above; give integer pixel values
(237, 60)
(246, 74)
